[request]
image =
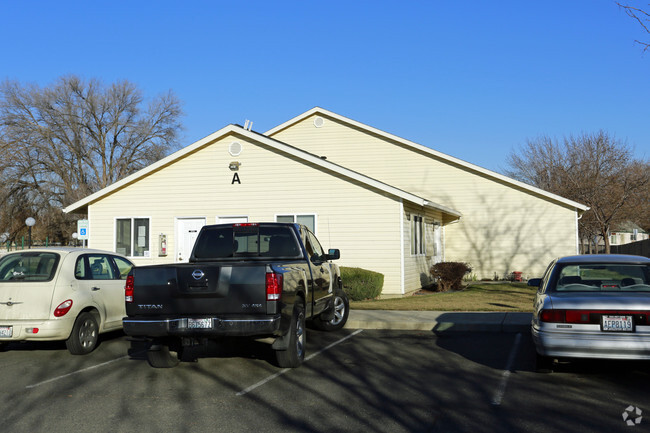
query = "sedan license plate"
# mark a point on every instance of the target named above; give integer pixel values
(617, 324)
(6, 331)
(199, 323)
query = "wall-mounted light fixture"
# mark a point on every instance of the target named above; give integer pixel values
(234, 166)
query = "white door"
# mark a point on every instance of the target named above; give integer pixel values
(187, 230)
(437, 244)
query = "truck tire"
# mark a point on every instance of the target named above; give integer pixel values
(341, 311)
(294, 355)
(159, 356)
(84, 335)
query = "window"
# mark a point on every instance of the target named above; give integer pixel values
(417, 235)
(132, 237)
(224, 242)
(123, 266)
(313, 247)
(28, 266)
(307, 220)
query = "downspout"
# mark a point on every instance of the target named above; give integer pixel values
(401, 253)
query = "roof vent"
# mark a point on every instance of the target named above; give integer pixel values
(319, 122)
(235, 148)
(248, 125)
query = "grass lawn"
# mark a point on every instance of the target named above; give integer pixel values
(503, 296)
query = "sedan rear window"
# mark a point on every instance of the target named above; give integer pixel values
(603, 277)
(28, 266)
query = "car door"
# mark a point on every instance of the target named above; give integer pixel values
(102, 278)
(321, 271)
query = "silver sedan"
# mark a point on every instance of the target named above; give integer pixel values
(592, 306)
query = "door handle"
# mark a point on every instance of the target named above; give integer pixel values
(94, 289)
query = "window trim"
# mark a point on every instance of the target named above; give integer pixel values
(129, 254)
(295, 218)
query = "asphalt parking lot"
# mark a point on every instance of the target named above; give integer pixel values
(352, 381)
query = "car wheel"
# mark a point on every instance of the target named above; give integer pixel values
(294, 355)
(159, 356)
(341, 311)
(84, 336)
(544, 364)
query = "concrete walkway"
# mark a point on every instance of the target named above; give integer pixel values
(439, 321)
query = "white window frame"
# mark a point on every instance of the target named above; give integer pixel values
(295, 218)
(147, 253)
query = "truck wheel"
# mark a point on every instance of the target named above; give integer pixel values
(159, 356)
(294, 355)
(85, 333)
(341, 312)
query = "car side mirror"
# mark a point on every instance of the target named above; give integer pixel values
(333, 254)
(535, 282)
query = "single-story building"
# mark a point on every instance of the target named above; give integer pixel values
(390, 205)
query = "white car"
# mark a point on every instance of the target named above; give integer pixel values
(70, 294)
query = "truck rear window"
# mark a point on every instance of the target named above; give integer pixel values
(223, 242)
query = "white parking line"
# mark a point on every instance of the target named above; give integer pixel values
(76, 372)
(498, 396)
(281, 372)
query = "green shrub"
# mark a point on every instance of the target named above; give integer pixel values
(449, 275)
(361, 284)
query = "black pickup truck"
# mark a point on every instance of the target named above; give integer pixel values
(242, 280)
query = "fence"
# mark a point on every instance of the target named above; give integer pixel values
(639, 248)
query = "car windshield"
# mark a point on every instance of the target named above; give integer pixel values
(28, 266)
(603, 277)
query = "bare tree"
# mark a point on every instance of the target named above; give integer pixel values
(640, 16)
(594, 169)
(61, 143)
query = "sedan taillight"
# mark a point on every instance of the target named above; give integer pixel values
(590, 316)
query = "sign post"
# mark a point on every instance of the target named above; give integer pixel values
(82, 231)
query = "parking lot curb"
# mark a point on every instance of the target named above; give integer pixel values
(440, 322)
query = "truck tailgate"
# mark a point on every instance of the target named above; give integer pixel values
(206, 289)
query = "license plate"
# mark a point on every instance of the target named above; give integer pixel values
(617, 324)
(6, 331)
(199, 323)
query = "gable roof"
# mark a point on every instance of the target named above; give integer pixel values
(81, 205)
(427, 150)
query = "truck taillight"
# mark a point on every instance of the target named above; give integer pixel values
(273, 286)
(128, 289)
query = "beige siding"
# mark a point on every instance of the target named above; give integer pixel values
(417, 266)
(503, 228)
(362, 223)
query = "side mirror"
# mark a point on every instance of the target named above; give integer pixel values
(535, 282)
(333, 254)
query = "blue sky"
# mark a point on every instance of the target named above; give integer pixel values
(472, 79)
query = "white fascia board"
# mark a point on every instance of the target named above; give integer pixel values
(254, 136)
(432, 152)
